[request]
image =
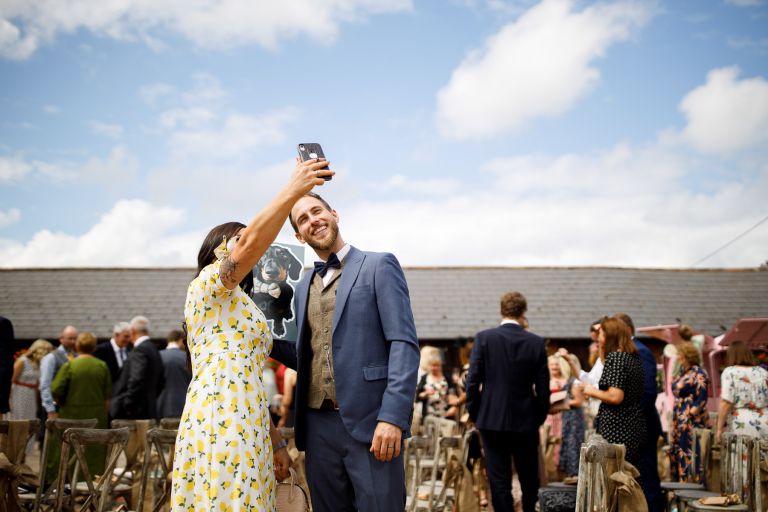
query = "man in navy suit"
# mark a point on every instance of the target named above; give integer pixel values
(508, 400)
(356, 357)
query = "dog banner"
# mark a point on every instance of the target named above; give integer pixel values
(274, 280)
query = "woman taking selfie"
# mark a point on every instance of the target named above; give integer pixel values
(226, 441)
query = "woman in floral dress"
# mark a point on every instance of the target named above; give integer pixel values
(228, 452)
(690, 389)
(744, 394)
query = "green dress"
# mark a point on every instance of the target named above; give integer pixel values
(81, 387)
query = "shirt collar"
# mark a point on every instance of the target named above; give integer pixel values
(172, 344)
(139, 341)
(343, 252)
(509, 321)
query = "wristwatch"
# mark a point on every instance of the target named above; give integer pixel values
(280, 444)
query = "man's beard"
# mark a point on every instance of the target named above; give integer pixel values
(329, 242)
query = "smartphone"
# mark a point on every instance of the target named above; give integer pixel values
(311, 150)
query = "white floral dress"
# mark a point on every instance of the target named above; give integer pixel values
(747, 389)
(223, 459)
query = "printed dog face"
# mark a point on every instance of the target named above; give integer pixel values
(277, 265)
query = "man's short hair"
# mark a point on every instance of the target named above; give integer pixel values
(175, 336)
(140, 324)
(120, 327)
(513, 305)
(308, 194)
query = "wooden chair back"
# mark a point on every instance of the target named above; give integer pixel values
(74, 441)
(598, 459)
(158, 465)
(45, 500)
(760, 471)
(736, 471)
(14, 438)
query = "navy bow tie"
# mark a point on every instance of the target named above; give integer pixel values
(321, 267)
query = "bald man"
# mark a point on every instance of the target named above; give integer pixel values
(50, 365)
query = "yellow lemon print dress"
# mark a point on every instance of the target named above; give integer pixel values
(223, 458)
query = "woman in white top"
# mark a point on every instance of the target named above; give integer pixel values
(744, 394)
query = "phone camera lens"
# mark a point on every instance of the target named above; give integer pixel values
(301, 147)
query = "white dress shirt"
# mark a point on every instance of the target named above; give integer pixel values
(120, 353)
(140, 341)
(332, 271)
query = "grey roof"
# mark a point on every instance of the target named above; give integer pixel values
(448, 302)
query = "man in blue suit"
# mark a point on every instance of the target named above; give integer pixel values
(508, 400)
(356, 357)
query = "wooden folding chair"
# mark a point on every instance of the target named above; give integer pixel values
(598, 460)
(170, 423)
(736, 473)
(75, 440)
(14, 438)
(45, 499)
(161, 443)
(128, 477)
(701, 458)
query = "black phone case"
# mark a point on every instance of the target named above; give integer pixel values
(307, 149)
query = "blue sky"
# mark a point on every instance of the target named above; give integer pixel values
(463, 132)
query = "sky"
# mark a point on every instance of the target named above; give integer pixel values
(463, 132)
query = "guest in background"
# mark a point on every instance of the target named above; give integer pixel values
(115, 351)
(434, 390)
(141, 379)
(690, 411)
(620, 418)
(648, 468)
(744, 394)
(508, 400)
(82, 388)
(559, 376)
(50, 365)
(26, 381)
(178, 374)
(6, 364)
(573, 422)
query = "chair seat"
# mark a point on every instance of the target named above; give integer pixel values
(689, 495)
(680, 486)
(694, 505)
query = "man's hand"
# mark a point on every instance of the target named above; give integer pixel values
(386, 441)
(282, 461)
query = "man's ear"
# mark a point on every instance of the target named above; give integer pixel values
(298, 236)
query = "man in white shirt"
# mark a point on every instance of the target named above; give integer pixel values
(115, 351)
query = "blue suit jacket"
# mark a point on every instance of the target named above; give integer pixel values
(374, 345)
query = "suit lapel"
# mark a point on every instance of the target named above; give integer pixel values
(302, 295)
(352, 265)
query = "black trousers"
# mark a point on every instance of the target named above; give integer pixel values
(500, 449)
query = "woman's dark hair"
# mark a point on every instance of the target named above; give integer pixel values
(739, 353)
(213, 239)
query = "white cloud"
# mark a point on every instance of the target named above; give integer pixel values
(13, 168)
(12, 216)
(52, 109)
(27, 24)
(133, 233)
(236, 134)
(192, 117)
(152, 92)
(627, 206)
(114, 131)
(745, 3)
(114, 170)
(727, 114)
(539, 65)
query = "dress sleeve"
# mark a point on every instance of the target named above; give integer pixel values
(699, 384)
(727, 385)
(60, 384)
(615, 372)
(209, 283)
